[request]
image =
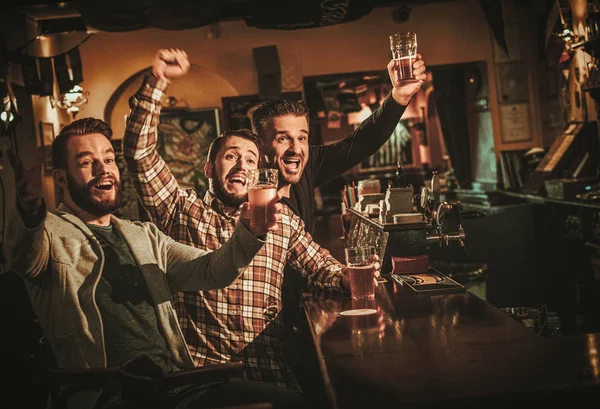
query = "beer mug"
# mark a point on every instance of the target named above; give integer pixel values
(262, 189)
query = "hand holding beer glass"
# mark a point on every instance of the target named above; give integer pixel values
(404, 53)
(262, 191)
(361, 265)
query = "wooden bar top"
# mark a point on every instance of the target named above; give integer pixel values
(451, 350)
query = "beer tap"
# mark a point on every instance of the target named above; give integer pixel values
(435, 214)
(439, 214)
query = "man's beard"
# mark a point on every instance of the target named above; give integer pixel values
(286, 179)
(82, 197)
(227, 198)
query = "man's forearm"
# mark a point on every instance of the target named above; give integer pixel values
(149, 172)
(194, 269)
(24, 244)
(315, 263)
(140, 137)
(400, 98)
(328, 276)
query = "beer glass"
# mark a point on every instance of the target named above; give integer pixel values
(404, 53)
(359, 261)
(262, 189)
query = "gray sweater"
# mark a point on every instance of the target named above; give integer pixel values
(61, 263)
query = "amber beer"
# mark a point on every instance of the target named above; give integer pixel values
(362, 285)
(262, 189)
(405, 68)
(404, 53)
(259, 198)
(359, 261)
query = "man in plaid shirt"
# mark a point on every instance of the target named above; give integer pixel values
(242, 321)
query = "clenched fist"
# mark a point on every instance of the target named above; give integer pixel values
(170, 64)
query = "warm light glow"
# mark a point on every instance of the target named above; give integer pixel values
(398, 327)
(6, 116)
(592, 353)
(455, 318)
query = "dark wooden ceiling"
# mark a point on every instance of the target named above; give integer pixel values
(126, 15)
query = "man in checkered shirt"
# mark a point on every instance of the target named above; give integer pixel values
(242, 321)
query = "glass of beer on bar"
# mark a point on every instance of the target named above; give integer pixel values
(262, 189)
(359, 261)
(404, 53)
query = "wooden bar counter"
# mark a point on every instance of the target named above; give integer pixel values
(445, 351)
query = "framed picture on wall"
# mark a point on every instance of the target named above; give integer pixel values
(46, 138)
(514, 122)
(184, 136)
(237, 110)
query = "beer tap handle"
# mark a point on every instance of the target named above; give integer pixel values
(461, 231)
(435, 187)
(456, 208)
(463, 245)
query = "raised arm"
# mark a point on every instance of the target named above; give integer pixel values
(332, 160)
(27, 245)
(156, 186)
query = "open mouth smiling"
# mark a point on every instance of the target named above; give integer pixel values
(104, 185)
(292, 163)
(238, 180)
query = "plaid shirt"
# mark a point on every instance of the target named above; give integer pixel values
(242, 321)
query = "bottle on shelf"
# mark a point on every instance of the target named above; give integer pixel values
(400, 176)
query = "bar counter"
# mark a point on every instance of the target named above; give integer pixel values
(444, 351)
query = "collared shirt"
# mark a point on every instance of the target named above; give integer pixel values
(242, 321)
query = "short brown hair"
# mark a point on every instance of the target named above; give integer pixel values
(215, 146)
(275, 108)
(80, 127)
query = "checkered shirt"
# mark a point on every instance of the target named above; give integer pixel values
(243, 321)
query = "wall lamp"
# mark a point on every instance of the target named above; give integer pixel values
(72, 100)
(9, 117)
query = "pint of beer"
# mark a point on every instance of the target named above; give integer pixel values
(262, 189)
(404, 53)
(359, 261)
